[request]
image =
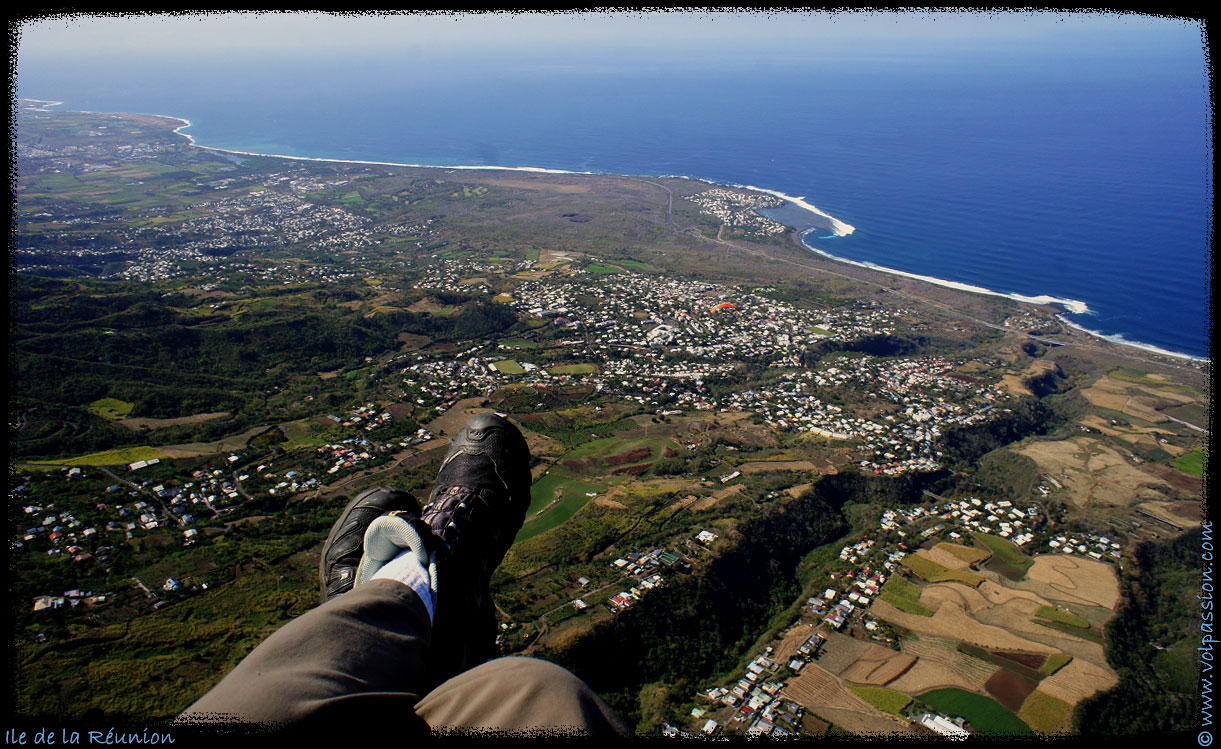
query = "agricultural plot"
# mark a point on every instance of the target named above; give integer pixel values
(1046, 714)
(904, 596)
(1055, 614)
(1010, 689)
(969, 599)
(1007, 560)
(886, 700)
(953, 622)
(940, 663)
(1078, 680)
(968, 554)
(933, 572)
(863, 662)
(554, 499)
(508, 366)
(985, 714)
(1077, 579)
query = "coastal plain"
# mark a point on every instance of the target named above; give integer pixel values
(213, 351)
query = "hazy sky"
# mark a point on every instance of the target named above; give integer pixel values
(276, 33)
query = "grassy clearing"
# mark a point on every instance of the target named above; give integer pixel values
(985, 714)
(1192, 463)
(886, 700)
(904, 596)
(967, 554)
(573, 369)
(554, 499)
(602, 269)
(936, 573)
(1004, 551)
(107, 458)
(1069, 629)
(111, 408)
(1064, 617)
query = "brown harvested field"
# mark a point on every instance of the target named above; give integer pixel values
(451, 422)
(764, 466)
(1164, 511)
(1009, 689)
(841, 651)
(1140, 401)
(1094, 474)
(879, 673)
(942, 664)
(950, 620)
(136, 424)
(717, 496)
(998, 594)
(935, 594)
(604, 502)
(968, 554)
(200, 449)
(1081, 578)
(868, 724)
(1139, 435)
(1046, 714)
(944, 558)
(792, 640)
(1078, 680)
(817, 689)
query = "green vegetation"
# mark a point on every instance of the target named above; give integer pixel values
(904, 596)
(936, 573)
(1193, 463)
(886, 700)
(985, 714)
(1064, 617)
(1054, 663)
(573, 369)
(554, 499)
(108, 458)
(602, 269)
(111, 408)
(1006, 558)
(508, 366)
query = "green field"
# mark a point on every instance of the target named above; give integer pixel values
(985, 714)
(508, 366)
(904, 596)
(107, 458)
(1064, 617)
(936, 573)
(602, 269)
(1006, 554)
(573, 495)
(886, 700)
(1192, 463)
(111, 408)
(1054, 663)
(573, 369)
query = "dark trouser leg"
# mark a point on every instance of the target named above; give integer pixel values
(519, 695)
(359, 654)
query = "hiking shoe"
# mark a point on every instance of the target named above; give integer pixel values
(476, 509)
(344, 547)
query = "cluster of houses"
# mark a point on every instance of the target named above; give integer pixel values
(739, 210)
(642, 567)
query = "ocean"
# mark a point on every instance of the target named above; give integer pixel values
(1075, 174)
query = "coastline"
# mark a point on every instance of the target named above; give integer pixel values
(838, 227)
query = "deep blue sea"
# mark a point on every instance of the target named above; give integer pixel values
(1081, 175)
